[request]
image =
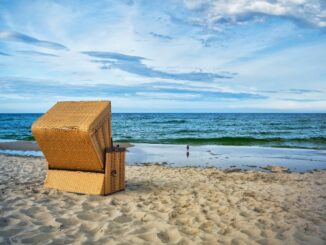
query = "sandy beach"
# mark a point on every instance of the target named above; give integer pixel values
(164, 205)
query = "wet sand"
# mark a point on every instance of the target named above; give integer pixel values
(164, 205)
(21, 145)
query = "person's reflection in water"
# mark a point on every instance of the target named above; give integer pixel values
(187, 151)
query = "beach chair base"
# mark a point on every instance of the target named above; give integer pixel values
(111, 181)
(76, 181)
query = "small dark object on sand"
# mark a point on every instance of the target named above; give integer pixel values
(232, 170)
(188, 147)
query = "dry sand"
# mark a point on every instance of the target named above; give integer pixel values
(164, 205)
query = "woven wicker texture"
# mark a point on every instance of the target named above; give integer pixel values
(111, 181)
(74, 135)
(75, 181)
(115, 163)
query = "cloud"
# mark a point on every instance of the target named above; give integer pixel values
(169, 96)
(4, 54)
(208, 91)
(135, 65)
(29, 88)
(36, 53)
(304, 100)
(293, 91)
(303, 91)
(114, 56)
(218, 12)
(160, 36)
(19, 37)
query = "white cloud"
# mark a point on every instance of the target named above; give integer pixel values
(215, 11)
(182, 96)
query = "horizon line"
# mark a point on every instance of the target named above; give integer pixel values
(290, 112)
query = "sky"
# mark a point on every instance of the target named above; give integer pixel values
(164, 56)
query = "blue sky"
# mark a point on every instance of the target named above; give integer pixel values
(164, 56)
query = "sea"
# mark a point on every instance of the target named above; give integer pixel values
(282, 130)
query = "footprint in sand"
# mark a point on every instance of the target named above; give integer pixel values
(122, 219)
(207, 226)
(87, 216)
(169, 236)
(163, 236)
(67, 221)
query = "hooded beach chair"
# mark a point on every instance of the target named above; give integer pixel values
(76, 140)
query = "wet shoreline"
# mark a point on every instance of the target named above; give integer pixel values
(228, 158)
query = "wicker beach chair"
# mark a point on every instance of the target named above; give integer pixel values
(75, 138)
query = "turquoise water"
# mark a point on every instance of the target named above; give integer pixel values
(275, 130)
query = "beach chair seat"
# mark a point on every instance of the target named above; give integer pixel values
(75, 138)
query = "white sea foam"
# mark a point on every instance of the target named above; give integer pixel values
(6, 140)
(22, 153)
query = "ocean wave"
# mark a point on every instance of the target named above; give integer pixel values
(309, 143)
(17, 137)
(28, 138)
(185, 131)
(176, 121)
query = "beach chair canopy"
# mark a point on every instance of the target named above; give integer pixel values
(75, 135)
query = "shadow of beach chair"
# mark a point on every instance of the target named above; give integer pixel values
(75, 138)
